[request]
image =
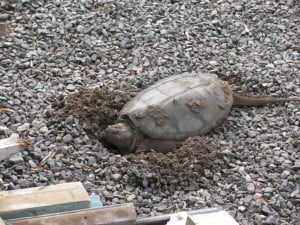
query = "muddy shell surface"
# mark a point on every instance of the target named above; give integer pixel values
(180, 106)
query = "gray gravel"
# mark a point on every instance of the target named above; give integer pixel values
(54, 48)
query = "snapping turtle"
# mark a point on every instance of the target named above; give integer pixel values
(175, 108)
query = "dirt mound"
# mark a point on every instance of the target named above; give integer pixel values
(188, 161)
(95, 108)
(186, 168)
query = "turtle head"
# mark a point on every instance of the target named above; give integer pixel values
(120, 135)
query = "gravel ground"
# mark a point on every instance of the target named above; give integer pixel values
(52, 49)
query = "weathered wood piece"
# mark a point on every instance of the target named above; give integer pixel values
(115, 215)
(43, 200)
(169, 218)
(213, 218)
(1, 222)
(9, 146)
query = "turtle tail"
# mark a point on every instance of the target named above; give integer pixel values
(244, 100)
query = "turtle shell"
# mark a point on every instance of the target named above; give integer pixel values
(180, 106)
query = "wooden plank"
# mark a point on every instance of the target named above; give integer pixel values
(164, 219)
(43, 200)
(214, 218)
(9, 146)
(1, 222)
(115, 215)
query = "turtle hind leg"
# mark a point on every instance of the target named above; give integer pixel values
(157, 145)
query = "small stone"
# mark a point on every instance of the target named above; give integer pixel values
(32, 163)
(4, 17)
(163, 31)
(161, 208)
(295, 194)
(77, 165)
(296, 165)
(24, 183)
(92, 160)
(219, 200)
(19, 168)
(38, 124)
(130, 198)
(174, 181)
(266, 210)
(109, 187)
(44, 130)
(156, 199)
(145, 194)
(67, 138)
(242, 208)
(146, 210)
(285, 174)
(264, 146)
(290, 205)
(15, 158)
(145, 182)
(75, 133)
(107, 195)
(213, 63)
(4, 131)
(116, 176)
(80, 29)
(251, 134)
(238, 7)
(270, 66)
(268, 190)
(216, 177)
(7, 44)
(279, 62)
(250, 188)
(193, 185)
(257, 197)
(23, 127)
(43, 179)
(71, 87)
(271, 220)
(193, 198)
(91, 177)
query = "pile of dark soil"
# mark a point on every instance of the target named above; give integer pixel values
(188, 161)
(95, 108)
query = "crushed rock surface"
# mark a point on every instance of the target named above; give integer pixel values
(68, 67)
